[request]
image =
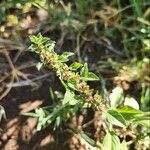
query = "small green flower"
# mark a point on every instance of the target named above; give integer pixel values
(45, 48)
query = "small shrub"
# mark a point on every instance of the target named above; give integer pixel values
(79, 95)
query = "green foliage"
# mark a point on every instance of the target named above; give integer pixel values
(79, 24)
(116, 97)
(145, 99)
(79, 96)
(111, 141)
(74, 66)
(88, 76)
(116, 118)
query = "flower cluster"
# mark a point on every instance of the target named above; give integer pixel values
(45, 48)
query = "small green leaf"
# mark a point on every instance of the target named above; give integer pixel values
(124, 145)
(128, 112)
(142, 119)
(72, 84)
(116, 97)
(145, 123)
(84, 71)
(115, 118)
(75, 66)
(67, 54)
(51, 46)
(111, 141)
(107, 142)
(31, 114)
(87, 139)
(70, 98)
(63, 58)
(34, 39)
(57, 122)
(40, 112)
(146, 44)
(39, 126)
(91, 77)
(39, 4)
(86, 105)
(145, 98)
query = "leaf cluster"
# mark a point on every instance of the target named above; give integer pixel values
(79, 95)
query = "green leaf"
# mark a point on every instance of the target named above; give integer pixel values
(40, 112)
(86, 75)
(31, 114)
(142, 119)
(107, 142)
(57, 122)
(39, 126)
(145, 123)
(128, 112)
(70, 98)
(91, 77)
(115, 118)
(75, 66)
(145, 99)
(51, 45)
(84, 71)
(116, 97)
(87, 139)
(38, 3)
(34, 39)
(86, 105)
(72, 84)
(67, 54)
(111, 142)
(64, 56)
(124, 145)
(146, 44)
(82, 134)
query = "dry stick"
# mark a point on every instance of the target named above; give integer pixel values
(81, 134)
(88, 123)
(4, 94)
(121, 10)
(8, 59)
(13, 74)
(18, 68)
(28, 82)
(11, 45)
(4, 78)
(78, 46)
(109, 47)
(142, 20)
(19, 52)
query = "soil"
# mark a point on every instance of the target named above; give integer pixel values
(19, 132)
